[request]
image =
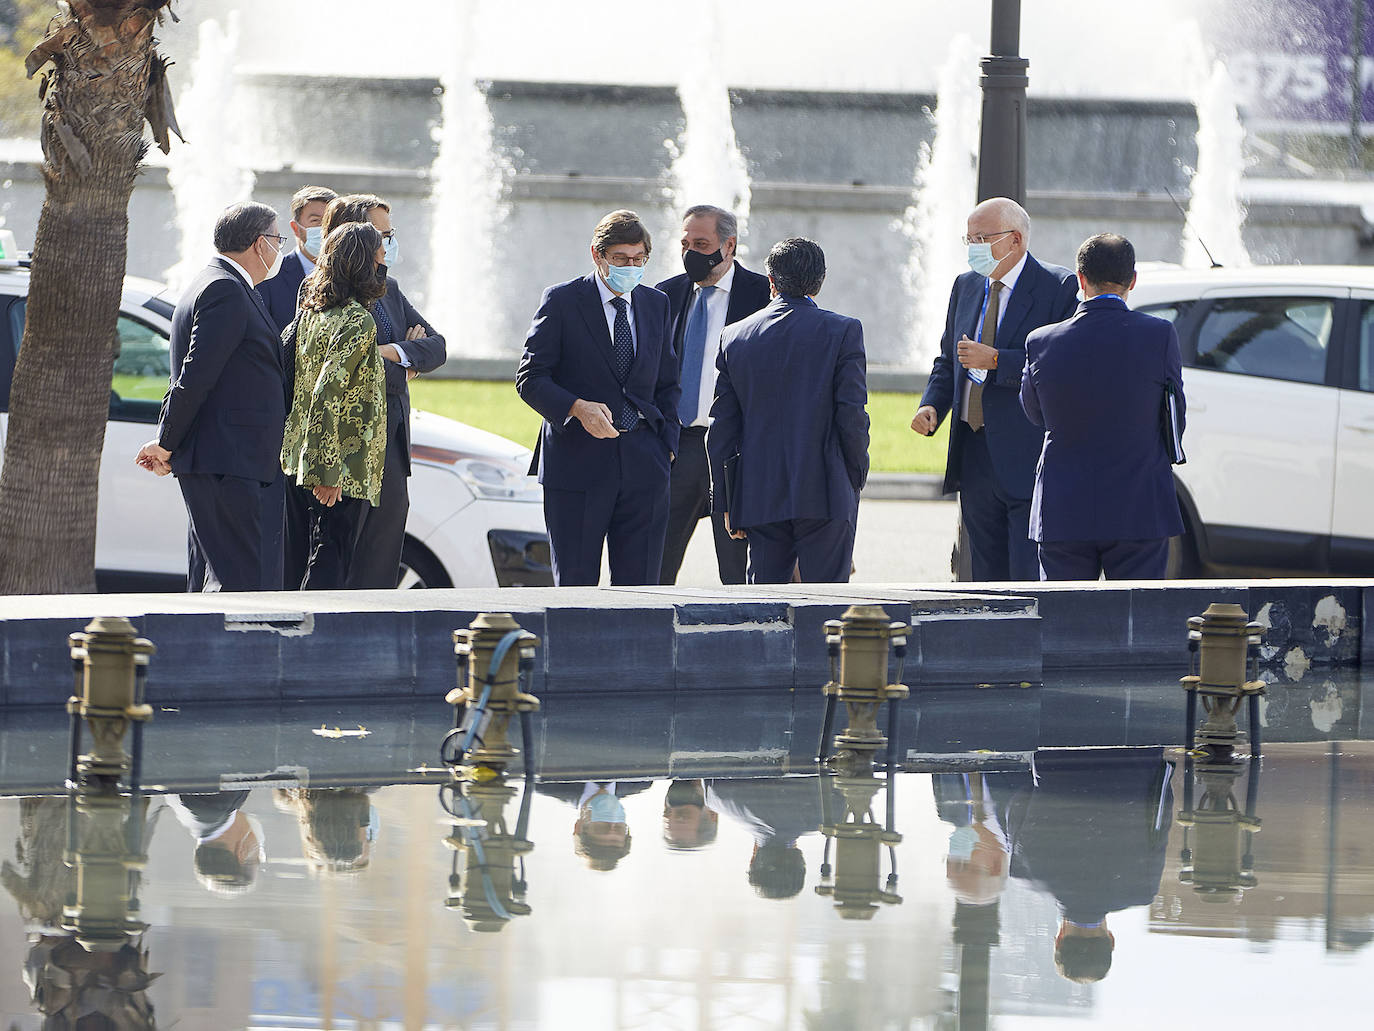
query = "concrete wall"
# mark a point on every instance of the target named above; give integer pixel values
(835, 166)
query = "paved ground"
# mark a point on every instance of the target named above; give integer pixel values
(897, 542)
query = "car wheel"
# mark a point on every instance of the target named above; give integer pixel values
(419, 568)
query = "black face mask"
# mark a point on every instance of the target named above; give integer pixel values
(381, 273)
(699, 265)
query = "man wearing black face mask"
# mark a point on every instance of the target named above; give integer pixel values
(716, 291)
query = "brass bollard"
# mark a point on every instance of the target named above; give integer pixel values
(859, 643)
(859, 840)
(494, 656)
(110, 662)
(485, 883)
(1224, 642)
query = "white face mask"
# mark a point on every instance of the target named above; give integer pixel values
(276, 265)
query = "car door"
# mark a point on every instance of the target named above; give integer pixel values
(1352, 514)
(1262, 415)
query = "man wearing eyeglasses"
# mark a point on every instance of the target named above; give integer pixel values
(599, 367)
(222, 419)
(993, 447)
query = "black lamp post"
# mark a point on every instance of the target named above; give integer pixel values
(1002, 145)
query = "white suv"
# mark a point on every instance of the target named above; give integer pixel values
(1279, 379)
(476, 519)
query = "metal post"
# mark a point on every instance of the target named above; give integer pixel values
(1356, 81)
(1002, 143)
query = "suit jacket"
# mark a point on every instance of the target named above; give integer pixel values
(568, 356)
(1096, 383)
(790, 400)
(279, 293)
(748, 293)
(226, 407)
(1044, 294)
(425, 354)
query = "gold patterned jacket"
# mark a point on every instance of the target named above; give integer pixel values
(336, 432)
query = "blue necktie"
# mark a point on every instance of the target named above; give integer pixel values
(623, 356)
(693, 355)
(386, 332)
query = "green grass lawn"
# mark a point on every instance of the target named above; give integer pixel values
(494, 406)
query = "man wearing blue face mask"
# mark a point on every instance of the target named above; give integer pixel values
(307, 212)
(599, 367)
(993, 447)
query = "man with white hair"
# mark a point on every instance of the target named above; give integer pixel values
(993, 447)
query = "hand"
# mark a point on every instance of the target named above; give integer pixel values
(155, 458)
(412, 372)
(973, 355)
(925, 420)
(389, 353)
(415, 333)
(738, 535)
(328, 496)
(595, 419)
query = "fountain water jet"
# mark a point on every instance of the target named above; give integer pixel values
(946, 187)
(468, 186)
(1215, 211)
(206, 175)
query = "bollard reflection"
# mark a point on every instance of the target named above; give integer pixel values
(1218, 836)
(857, 886)
(487, 882)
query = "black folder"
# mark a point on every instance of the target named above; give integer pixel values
(1171, 426)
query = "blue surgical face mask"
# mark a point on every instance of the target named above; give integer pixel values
(314, 239)
(623, 279)
(980, 259)
(606, 808)
(392, 247)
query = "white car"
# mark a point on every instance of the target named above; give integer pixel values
(1279, 380)
(476, 519)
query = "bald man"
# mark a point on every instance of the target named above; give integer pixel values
(993, 447)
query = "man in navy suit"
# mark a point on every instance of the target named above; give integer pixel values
(307, 213)
(599, 367)
(992, 446)
(790, 403)
(715, 291)
(222, 419)
(1104, 498)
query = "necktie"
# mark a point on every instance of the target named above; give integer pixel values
(694, 355)
(386, 332)
(622, 356)
(973, 414)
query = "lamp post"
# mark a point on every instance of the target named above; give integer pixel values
(1002, 141)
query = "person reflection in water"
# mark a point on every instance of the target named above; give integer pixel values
(229, 842)
(979, 856)
(777, 812)
(601, 834)
(688, 822)
(337, 825)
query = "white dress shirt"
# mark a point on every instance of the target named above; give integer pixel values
(717, 305)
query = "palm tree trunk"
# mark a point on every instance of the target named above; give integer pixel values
(106, 73)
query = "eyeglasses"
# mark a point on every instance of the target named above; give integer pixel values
(620, 261)
(390, 234)
(985, 237)
(281, 240)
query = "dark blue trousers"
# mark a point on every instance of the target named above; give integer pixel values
(1118, 560)
(998, 524)
(234, 532)
(377, 560)
(821, 550)
(628, 516)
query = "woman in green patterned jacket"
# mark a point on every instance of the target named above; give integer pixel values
(335, 438)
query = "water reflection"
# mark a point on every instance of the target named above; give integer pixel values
(1067, 857)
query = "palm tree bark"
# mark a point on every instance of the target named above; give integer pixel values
(105, 78)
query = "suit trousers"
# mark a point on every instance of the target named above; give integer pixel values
(628, 516)
(234, 532)
(689, 500)
(820, 550)
(334, 531)
(296, 534)
(1118, 560)
(377, 560)
(998, 524)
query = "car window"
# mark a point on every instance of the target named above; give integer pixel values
(1275, 337)
(141, 366)
(1366, 380)
(1167, 312)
